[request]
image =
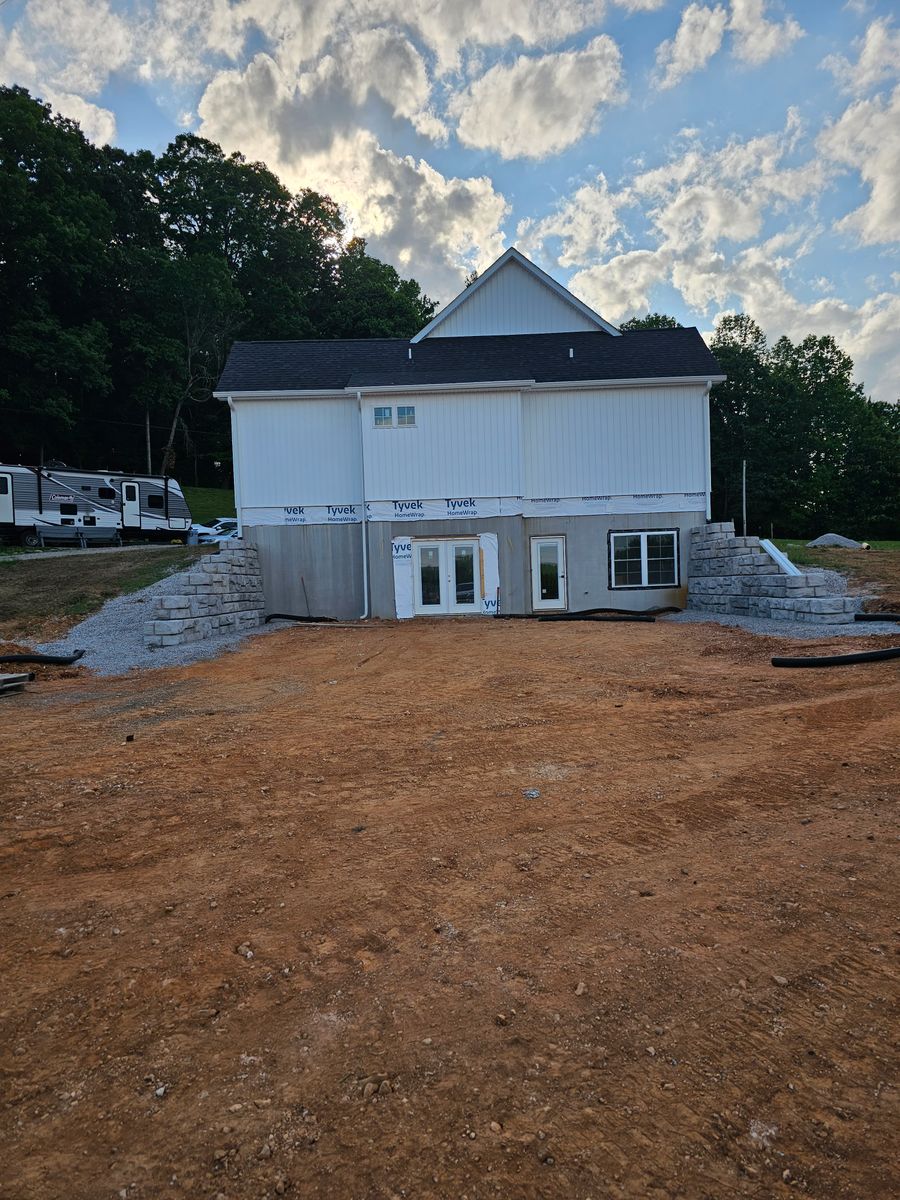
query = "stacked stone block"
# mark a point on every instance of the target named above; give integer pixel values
(222, 595)
(728, 574)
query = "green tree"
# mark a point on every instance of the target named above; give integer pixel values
(375, 301)
(651, 321)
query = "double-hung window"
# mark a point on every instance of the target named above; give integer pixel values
(645, 558)
(384, 416)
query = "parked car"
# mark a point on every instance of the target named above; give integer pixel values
(219, 531)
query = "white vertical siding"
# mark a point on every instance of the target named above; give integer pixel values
(297, 451)
(614, 442)
(512, 301)
(463, 444)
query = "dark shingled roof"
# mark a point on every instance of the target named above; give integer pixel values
(544, 357)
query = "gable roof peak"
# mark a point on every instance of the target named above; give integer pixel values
(514, 255)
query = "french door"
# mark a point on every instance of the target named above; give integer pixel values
(447, 576)
(548, 573)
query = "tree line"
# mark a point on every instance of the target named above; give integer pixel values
(124, 278)
(820, 455)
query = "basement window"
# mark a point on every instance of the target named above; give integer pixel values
(406, 414)
(384, 417)
(643, 558)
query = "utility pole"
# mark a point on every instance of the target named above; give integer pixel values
(744, 494)
(147, 434)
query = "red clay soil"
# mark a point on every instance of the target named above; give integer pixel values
(453, 910)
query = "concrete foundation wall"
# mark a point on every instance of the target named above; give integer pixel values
(311, 570)
(328, 558)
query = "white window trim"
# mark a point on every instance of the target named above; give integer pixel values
(643, 585)
(394, 410)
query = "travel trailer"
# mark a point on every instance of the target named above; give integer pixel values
(44, 502)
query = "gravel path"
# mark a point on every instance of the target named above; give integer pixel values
(113, 638)
(789, 629)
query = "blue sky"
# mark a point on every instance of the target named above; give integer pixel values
(696, 158)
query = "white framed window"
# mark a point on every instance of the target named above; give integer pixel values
(384, 416)
(406, 414)
(643, 558)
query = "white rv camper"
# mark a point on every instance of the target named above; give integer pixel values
(38, 503)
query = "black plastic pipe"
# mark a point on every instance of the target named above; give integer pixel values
(58, 660)
(839, 660)
(877, 616)
(303, 620)
(597, 617)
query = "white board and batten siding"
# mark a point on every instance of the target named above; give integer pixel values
(615, 441)
(462, 444)
(512, 301)
(296, 452)
(602, 445)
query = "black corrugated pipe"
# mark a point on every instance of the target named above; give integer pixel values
(839, 660)
(59, 660)
(304, 620)
(877, 616)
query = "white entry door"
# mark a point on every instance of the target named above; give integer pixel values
(446, 576)
(131, 506)
(548, 573)
(6, 500)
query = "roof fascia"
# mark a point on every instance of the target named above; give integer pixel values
(513, 255)
(482, 385)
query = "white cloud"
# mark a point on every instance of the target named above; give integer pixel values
(755, 39)
(697, 39)
(539, 106)
(866, 138)
(584, 224)
(878, 59)
(426, 223)
(17, 66)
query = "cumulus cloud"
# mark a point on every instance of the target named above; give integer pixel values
(18, 65)
(413, 215)
(539, 106)
(755, 38)
(697, 39)
(583, 225)
(878, 59)
(866, 138)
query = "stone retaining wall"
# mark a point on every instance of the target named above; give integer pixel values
(224, 593)
(728, 574)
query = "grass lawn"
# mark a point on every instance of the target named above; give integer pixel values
(877, 569)
(41, 600)
(208, 504)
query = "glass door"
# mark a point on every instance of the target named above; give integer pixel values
(548, 573)
(447, 577)
(430, 594)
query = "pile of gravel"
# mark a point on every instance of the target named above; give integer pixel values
(789, 629)
(113, 638)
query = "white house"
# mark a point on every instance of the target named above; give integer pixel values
(518, 454)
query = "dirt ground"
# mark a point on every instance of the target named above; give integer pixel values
(457, 910)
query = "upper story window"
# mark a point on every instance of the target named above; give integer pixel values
(384, 416)
(645, 558)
